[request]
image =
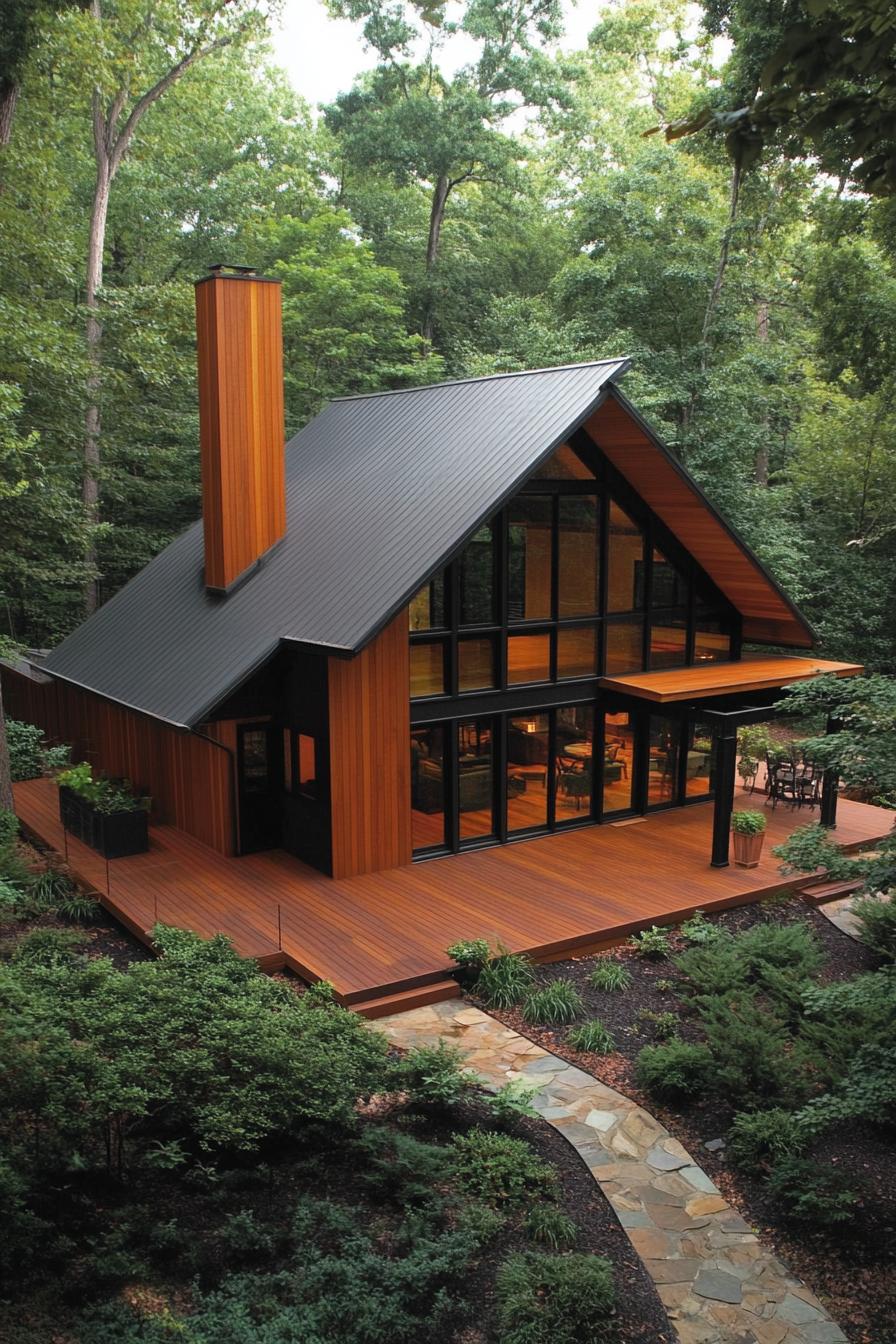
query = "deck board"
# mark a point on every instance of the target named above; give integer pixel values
(386, 931)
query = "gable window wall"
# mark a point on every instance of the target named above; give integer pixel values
(571, 580)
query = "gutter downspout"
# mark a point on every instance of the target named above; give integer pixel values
(234, 802)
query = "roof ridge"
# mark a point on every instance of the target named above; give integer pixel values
(482, 378)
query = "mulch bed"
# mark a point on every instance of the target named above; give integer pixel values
(853, 1273)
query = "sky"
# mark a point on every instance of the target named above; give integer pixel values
(322, 55)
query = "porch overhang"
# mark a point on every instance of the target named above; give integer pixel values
(754, 672)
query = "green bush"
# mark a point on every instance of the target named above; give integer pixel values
(46, 947)
(757, 1138)
(470, 953)
(592, 1036)
(748, 822)
(550, 1226)
(12, 869)
(25, 743)
(652, 943)
(755, 1059)
(434, 1076)
(500, 1169)
(49, 887)
(876, 915)
(699, 930)
(555, 1003)
(780, 958)
(610, 976)
(663, 1025)
(675, 1071)
(513, 1102)
(568, 1299)
(811, 1194)
(243, 1239)
(505, 980)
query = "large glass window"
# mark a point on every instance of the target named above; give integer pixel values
(475, 779)
(475, 664)
(662, 777)
(712, 639)
(625, 646)
(619, 763)
(528, 739)
(564, 465)
(427, 669)
(574, 761)
(529, 558)
(669, 639)
(428, 787)
(477, 579)
(578, 556)
(670, 587)
(625, 562)
(698, 777)
(576, 651)
(426, 610)
(528, 658)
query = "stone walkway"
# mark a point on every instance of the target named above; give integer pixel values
(717, 1283)
(840, 914)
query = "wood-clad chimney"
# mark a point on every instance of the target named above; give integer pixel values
(241, 425)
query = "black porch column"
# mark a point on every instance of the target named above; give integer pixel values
(725, 751)
(829, 783)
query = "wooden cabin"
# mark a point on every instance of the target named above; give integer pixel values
(446, 618)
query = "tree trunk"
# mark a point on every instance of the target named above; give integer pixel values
(760, 469)
(6, 799)
(90, 491)
(724, 251)
(436, 217)
(9, 96)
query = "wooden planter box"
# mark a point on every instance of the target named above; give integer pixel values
(748, 848)
(113, 834)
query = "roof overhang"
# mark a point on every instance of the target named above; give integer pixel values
(752, 673)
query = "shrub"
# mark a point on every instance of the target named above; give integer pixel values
(699, 930)
(505, 980)
(242, 1238)
(550, 1226)
(433, 1075)
(748, 822)
(555, 1003)
(46, 947)
(755, 1060)
(500, 1169)
(610, 976)
(808, 1193)
(544, 1299)
(513, 1101)
(470, 953)
(674, 1071)
(664, 1025)
(399, 1168)
(49, 887)
(779, 958)
(11, 867)
(652, 943)
(25, 743)
(79, 906)
(876, 915)
(757, 1138)
(592, 1036)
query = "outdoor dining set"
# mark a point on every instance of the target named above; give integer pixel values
(793, 778)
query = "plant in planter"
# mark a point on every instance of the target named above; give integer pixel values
(470, 954)
(749, 831)
(104, 813)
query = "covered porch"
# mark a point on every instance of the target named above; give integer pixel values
(383, 934)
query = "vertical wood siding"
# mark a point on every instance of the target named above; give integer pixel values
(240, 362)
(188, 779)
(370, 766)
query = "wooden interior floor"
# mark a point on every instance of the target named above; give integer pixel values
(385, 932)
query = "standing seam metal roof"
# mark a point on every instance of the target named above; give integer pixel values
(380, 490)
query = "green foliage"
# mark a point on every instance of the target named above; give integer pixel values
(610, 976)
(747, 822)
(434, 1075)
(500, 1169)
(45, 947)
(876, 916)
(553, 1004)
(808, 1193)
(10, 867)
(566, 1299)
(550, 1226)
(663, 1025)
(592, 1036)
(653, 944)
(505, 980)
(675, 1071)
(767, 956)
(513, 1102)
(699, 930)
(757, 1138)
(471, 954)
(106, 795)
(25, 743)
(754, 1059)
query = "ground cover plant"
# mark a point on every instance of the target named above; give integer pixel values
(768, 1031)
(192, 1149)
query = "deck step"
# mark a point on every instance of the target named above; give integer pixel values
(817, 893)
(406, 999)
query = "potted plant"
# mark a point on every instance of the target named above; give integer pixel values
(104, 813)
(749, 829)
(470, 954)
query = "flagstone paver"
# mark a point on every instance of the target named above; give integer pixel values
(841, 915)
(717, 1283)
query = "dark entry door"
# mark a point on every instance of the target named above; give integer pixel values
(260, 780)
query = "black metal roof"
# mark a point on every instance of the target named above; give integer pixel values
(380, 490)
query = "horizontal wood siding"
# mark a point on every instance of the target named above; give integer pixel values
(187, 778)
(655, 478)
(240, 362)
(370, 784)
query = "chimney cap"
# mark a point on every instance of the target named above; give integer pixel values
(225, 270)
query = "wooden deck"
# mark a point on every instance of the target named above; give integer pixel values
(387, 932)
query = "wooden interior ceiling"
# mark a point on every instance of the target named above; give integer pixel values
(754, 672)
(653, 472)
